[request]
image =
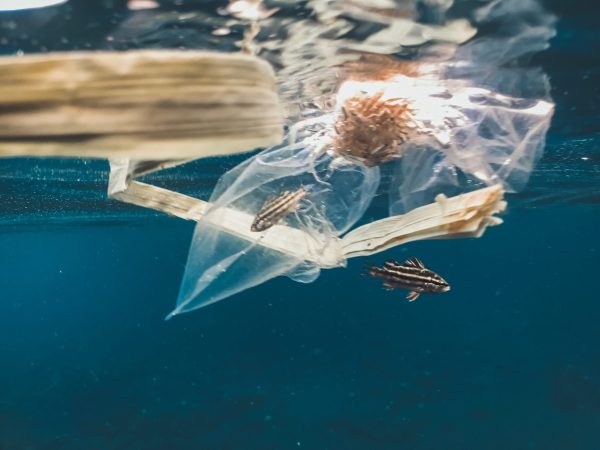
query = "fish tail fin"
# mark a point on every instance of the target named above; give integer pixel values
(369, 269)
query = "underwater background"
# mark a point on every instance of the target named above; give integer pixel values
(510, 358)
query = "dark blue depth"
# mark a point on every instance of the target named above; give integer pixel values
(508, 359)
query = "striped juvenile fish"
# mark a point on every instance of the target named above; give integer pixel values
(412, 275)
(276, 208)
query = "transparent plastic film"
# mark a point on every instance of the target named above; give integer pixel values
(446, 125)
(496, 110)
(313, 196)
(485, 138)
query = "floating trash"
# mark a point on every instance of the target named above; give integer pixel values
(448, 126)
(365, 87)
(143, 110)
(144, 105)
(226, 258)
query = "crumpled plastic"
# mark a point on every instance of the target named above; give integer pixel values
(228, 262)
(484, 138)
(470, 122)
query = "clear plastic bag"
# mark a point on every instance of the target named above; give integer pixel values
(452, 121)
(455, 138)
(497, 113)
(226, 257)
(491, 138)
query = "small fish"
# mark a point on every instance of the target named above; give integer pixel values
(412, 275)
(276, 208)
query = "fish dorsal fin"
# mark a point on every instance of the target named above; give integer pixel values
(391, 262)
(415, 262)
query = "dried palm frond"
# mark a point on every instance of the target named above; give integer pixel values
(370, 129)
(142, 104)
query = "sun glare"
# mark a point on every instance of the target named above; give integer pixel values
(15, 5)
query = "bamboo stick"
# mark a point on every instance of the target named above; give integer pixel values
(466, 215)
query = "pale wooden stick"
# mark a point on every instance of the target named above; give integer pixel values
(466, 215)
(160, 199)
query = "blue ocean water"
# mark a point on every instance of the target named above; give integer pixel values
(508, 359)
